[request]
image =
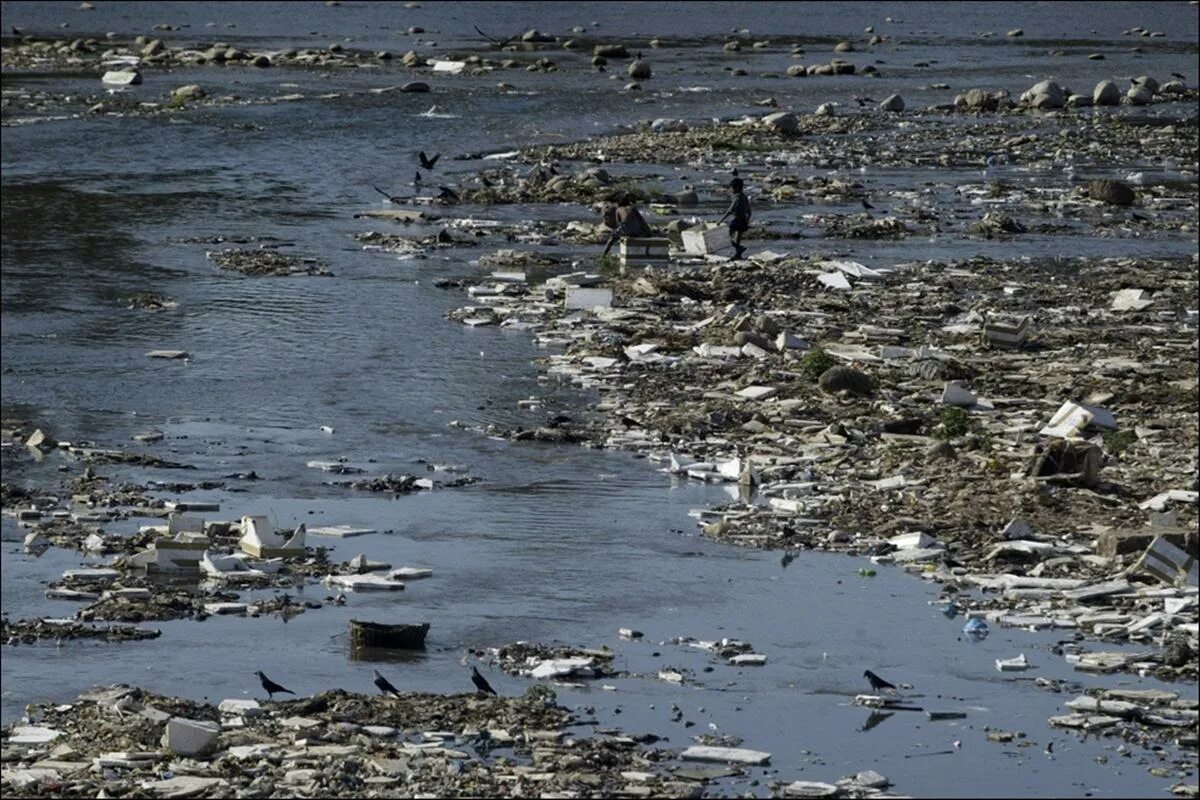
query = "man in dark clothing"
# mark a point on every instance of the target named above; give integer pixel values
(739, 209)
(629, 223)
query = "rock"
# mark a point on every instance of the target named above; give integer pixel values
(1177, 654)
(1110, 191)
(980, 100)
(599, 61)
(535, 36)
(827, 110)
(153, 48)
(1148, 82)
(797, 71)
(1015, 32)
(843, 47)
(1173, 87)
(847, 379)
(261, 60)
(1139, 96)
(411, 59)
(687, 198)
(415, 86)
(639, 69)
(781, 122)
(1046, 94)
(183, 94)
(892, 103)
(610, 51)
(941, 450)
(1079, 101)
(1106, 93)
(731, 47)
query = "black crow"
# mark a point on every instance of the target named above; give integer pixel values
(481, 684)
(416, 179)
(877, 683)
(384, 685)
(867, 206)
(446, 193)
(271, 686)
(426, 161)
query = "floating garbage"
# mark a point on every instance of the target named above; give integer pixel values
(976, 628)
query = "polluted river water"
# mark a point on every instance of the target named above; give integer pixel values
(551, 543)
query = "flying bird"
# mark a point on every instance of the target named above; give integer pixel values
(384, 685)
(426, 161)
(271, 686)
(481, 684)
(878, 683)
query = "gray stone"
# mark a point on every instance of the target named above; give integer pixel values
(415, 86)
(797, 71)
(1139, 96)
(1148, 82)
(639, 69)
(781, 122)
(847, 379)
(610, 51)
(892, 103)
(1106, 93)
(1110, 191)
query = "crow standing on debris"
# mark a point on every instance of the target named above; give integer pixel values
(384, 685)
(877, 683)
(481, 684)
(271, 686)
(426, 161)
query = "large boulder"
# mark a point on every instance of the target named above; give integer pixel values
(534, 35)
(186, 93)
(610, 51)
(980, 100)
(1114, 192)
(781, 122)
(1106, 93)
(1046, 94)
(1139, 96)
(797, 71)
(846, 379)
(892, 103)
(640, 69)
(1148, 82)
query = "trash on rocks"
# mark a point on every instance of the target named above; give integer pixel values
(260, 539)
(1168, 563)
(190, 737)
(402, 636)
(729, 755)
(998, 333)
(1131, 300)
(644, 252)
(703, 241)
(339, 531)
(1017, 664)
(362, 583)
(1072, 418)
(583, 298)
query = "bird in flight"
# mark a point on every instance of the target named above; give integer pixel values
(271, 686)
(481, 684)
(384, 685)
(878, 683)
(426, 161)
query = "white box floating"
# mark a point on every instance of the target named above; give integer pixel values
(340, 531)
